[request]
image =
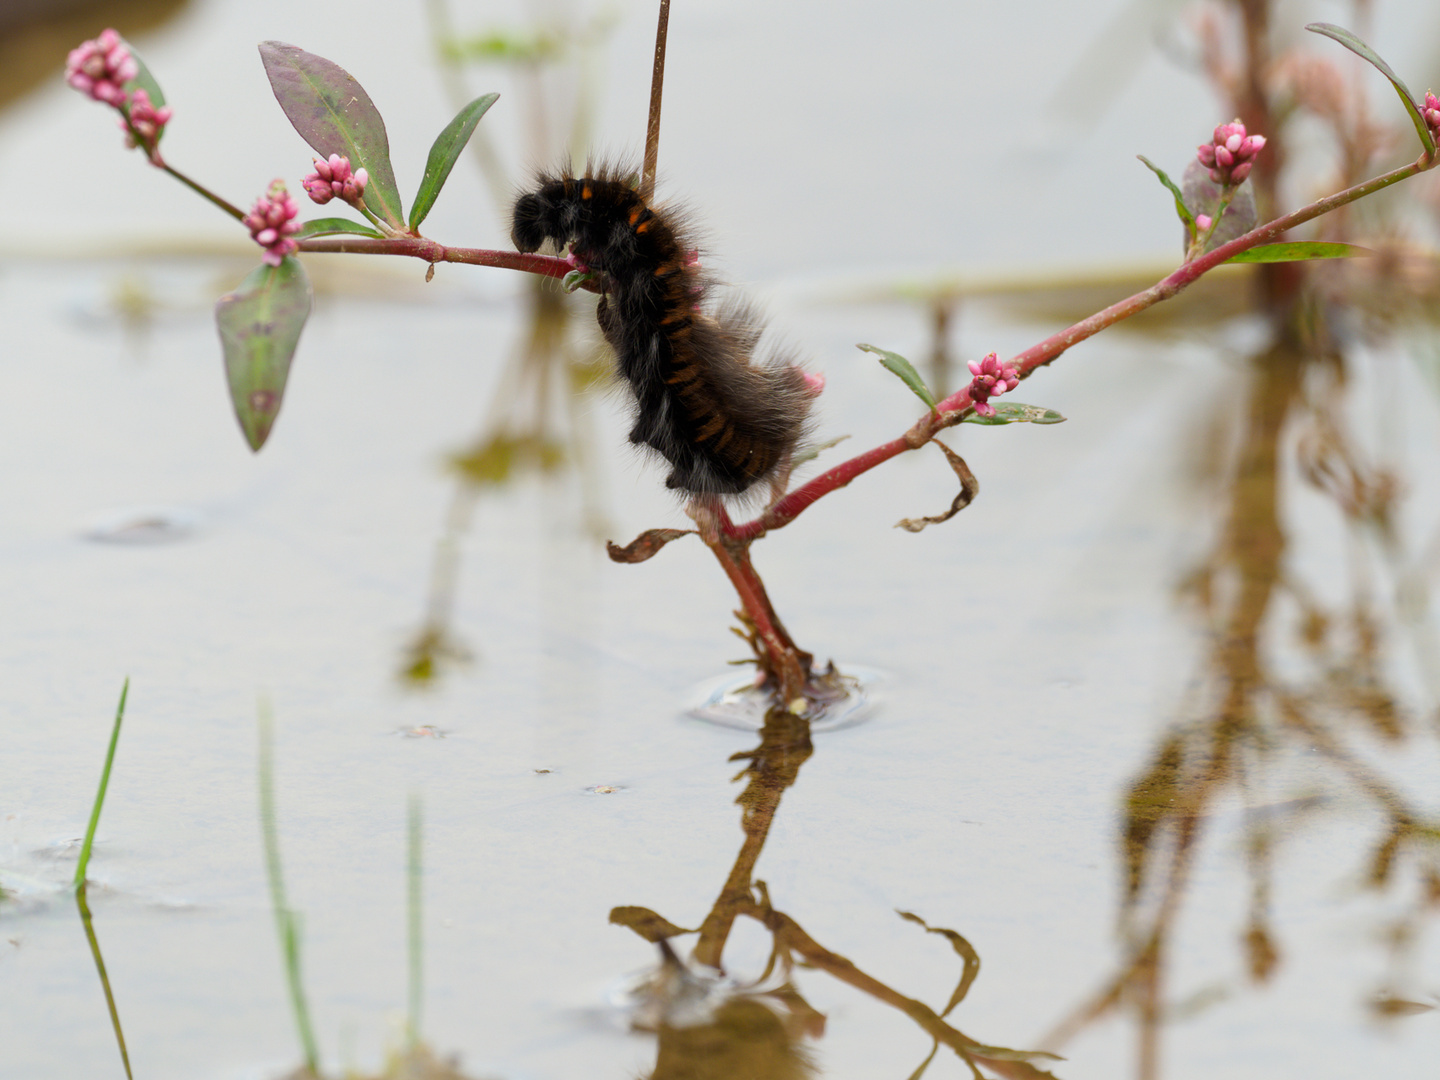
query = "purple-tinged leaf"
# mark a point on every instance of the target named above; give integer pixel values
(1299, 251)
(1180, 207)
(1360, 49)
(331, 225)
(443, 155)
(1202, 196)
(899, 366)
(260, 324)
(332, 113)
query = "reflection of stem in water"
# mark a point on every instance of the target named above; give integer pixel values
(414, 913)
(83, 904)
(773, 766)
(287, 922)
(1247, 716)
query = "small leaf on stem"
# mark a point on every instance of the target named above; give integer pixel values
(644, 546)
(1360, 49)
(1299, 251)
(898, 365)
(443, 155)
(332, 113)
(331, 225)
(963, 949)
(1180, 208)
(1012, 412)
(260, 324)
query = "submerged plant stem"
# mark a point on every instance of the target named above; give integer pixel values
(286, 922)
(87, 921)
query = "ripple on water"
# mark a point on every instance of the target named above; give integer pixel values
(734, 701)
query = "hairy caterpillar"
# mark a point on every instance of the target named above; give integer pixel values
(722, 422)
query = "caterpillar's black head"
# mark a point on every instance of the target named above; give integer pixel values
(531, 225)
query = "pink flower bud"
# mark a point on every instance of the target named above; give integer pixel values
(991, 379)
(1230, 154)
(271, 223)
(1203, 221)
(814, 382)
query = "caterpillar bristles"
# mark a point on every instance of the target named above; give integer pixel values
(723, 420)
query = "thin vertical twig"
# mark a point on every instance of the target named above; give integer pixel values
(413, 911)
(657, 85)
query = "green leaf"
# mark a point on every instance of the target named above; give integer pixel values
(577, 279)
(1180, 207)
(260, 324)
(898, 365)
(1298, 252)
(332, 113)
(1012, 412)
(445, 153)
(1360, 49)
(330, 225)
(144, 80)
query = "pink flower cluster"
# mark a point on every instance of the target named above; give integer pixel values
(146, 121)
(992, 378)
(1231, 154)
(333, 179)
(1431, 112)
(101, 68)
(272, 223)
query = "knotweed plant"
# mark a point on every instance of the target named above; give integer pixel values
(260, 323)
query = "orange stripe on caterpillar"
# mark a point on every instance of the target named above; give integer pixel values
(723, 420)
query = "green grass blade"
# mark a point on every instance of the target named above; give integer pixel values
(84, 863)
(413, 910)
(287, 923)
(85, 919)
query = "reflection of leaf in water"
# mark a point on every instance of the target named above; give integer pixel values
(963, 949)
(648, 924)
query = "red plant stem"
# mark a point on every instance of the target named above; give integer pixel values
(953, 409)
(418, 247)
